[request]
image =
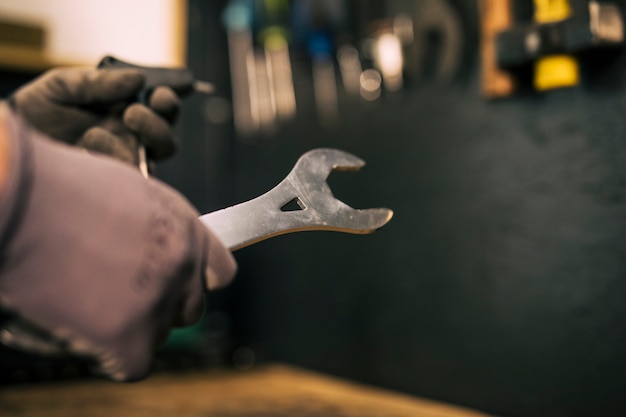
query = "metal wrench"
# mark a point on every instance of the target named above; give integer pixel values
(262, 217)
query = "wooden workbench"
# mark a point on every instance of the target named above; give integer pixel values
(270, 391)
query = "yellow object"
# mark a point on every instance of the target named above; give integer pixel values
(556, 71)
(551, 10)
(274, 38)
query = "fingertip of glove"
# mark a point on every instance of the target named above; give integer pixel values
(153, 131)
(165, 102)
(220, 267)
(112, 367)
(97, 139)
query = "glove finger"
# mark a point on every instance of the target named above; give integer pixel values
(130, 360)
(153, 131)
(166, 103)
(98, 139)
(220, 266)
(95, 86)
(19, 334)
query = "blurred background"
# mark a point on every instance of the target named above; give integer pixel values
(496, 132)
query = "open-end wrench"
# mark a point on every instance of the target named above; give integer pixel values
(263, 217)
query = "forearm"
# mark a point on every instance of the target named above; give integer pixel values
(5, 152)
(99, 260)
(14, 177)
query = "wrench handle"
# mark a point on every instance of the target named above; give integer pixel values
(253, 221)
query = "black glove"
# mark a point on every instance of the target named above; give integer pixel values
(97, 261)
(92, 108)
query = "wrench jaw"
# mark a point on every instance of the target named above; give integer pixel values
(360, 222)
(315, 166)
(345, 219)
(307, 183)
(339, 218)
(321, 210)
(364, 221)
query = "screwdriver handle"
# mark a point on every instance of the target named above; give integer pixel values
(181, 80)
(495, 17)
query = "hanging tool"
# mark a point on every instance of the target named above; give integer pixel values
(557, 38)
(275, 37)
(495, 17)
(554, 70)
(264, 217)
(436, 17)
(350, 68)
(238, 19)
(316, 27)
(324, 82)
(388, 56)
(181, 80)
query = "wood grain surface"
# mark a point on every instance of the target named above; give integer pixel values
(271, 391)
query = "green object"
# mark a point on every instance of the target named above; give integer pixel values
(186, 337)
(274, 37)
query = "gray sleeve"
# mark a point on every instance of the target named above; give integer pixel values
(101, 260)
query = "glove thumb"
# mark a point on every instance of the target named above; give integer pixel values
(220, 266)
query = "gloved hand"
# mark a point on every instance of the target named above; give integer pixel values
(97, 261)
(91, 108)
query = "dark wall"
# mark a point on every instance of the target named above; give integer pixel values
(500, 283)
